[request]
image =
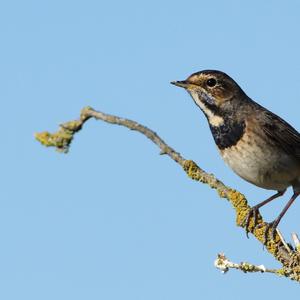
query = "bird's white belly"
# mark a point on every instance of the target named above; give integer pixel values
(262, 166)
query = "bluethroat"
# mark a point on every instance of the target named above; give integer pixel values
(257, 144)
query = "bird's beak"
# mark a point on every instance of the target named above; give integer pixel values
(184, 84)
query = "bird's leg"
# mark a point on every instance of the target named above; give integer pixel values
(273, 225)
(254, 210)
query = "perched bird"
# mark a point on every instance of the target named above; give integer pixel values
(257, 145)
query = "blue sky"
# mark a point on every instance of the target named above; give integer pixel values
(113, 219)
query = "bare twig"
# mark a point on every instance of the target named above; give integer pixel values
(285, 244)
(296, 241)
(290, 258)
(224, 264)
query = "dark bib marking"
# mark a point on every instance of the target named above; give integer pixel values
(228, 134)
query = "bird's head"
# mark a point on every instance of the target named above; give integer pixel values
(214, 92)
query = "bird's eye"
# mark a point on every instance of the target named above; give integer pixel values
(211, 82)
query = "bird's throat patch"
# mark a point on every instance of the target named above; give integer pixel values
(228, 134)
(210, 112)
(225, 131)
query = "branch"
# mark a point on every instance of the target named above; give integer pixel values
(288, 256)
(224, 264)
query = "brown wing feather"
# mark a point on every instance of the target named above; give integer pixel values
(282, 133)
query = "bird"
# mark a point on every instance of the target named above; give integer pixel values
(255, 143)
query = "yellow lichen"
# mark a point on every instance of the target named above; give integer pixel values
(191, 169)
(281, 272)
(196, 173)
(84, 114)
(61, 139)
(236, 198)
(73, 126)
(44, 138)
(222, 193)
(246, 267)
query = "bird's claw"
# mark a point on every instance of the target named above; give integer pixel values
(252, 213)
(272, 226)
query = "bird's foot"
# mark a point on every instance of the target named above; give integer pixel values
(270, 231)
(251, 214)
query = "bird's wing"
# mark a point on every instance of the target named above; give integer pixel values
(282, 133)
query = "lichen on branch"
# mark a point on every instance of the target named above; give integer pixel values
(288, 256)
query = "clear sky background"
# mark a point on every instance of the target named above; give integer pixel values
(113, 219)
